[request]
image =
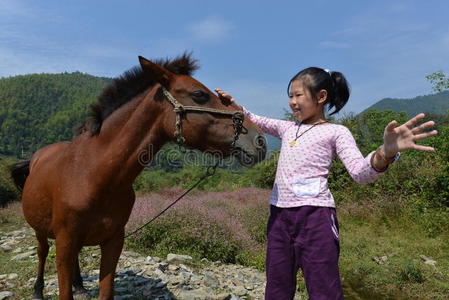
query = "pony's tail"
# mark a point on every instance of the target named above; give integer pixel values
(19, 173)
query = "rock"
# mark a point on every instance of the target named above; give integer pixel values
(6, 248)
(178, 259)
(147, 277)
(192, 295)
(12, 276)
(173, 268)
(162, 266)
(124, 297)
(240, 291)
(23, 255)
(380, 260)
(205, 261)
(222, 296)
(428, 260)
(18, 232)
(5, 295)
(210, 280)
(120, 290)
(17, 250)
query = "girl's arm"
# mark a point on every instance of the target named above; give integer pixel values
(359, 167)
(274, 127)
(396, 139)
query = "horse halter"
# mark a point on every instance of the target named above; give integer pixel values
(179, 109)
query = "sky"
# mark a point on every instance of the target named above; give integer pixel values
(249, 48)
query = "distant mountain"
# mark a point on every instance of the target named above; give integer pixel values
(273, 143)
(435, 103)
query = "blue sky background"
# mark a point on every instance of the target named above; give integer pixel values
(249, 48)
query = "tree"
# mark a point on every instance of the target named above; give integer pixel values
(439, 80)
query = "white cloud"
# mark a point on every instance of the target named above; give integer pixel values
(211, 29)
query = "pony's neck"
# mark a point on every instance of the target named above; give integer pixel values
(132, 135)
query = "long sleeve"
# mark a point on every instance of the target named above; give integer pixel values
(274, 127)
(359, 167)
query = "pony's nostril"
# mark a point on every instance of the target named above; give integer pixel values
(260, 141)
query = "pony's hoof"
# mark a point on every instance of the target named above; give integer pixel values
(81, 293)
(83, 296)
(38, 297)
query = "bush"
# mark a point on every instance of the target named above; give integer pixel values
(411, 272)
(8, 191)
(177, 232)
(263, 174)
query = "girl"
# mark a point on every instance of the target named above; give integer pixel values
(302, 229)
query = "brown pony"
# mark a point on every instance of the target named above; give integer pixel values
(80, 192)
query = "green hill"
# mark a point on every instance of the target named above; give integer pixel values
(436, 104)
(39, 109)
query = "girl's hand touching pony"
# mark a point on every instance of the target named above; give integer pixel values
(225, 98)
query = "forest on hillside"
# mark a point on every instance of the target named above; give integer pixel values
(39, 109)
(437, 103)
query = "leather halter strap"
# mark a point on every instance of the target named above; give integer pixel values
(178, 108)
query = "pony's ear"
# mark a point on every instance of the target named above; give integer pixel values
(160, 74)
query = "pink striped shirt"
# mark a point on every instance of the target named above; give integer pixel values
(301, 175)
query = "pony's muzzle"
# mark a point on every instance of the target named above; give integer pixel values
(250, 148)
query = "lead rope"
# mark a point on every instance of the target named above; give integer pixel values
(209, 172)
(179, 109)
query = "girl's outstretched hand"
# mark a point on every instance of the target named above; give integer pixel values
(403, 137)
(225, 98)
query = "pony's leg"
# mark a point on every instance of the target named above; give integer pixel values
(110, 253)
(42, 252)
(66, 254)
(78, 280)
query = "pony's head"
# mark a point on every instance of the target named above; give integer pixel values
(210, 127)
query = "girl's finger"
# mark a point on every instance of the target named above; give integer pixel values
(391, 125)
(423, 136)
(423, 148)
(410, 123)
(422, 127)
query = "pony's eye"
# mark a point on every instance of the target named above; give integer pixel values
(200, 96)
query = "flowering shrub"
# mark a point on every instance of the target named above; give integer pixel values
(225, 226)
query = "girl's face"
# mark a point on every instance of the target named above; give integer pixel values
(305, 107)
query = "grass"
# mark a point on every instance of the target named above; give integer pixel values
(403, 274)
(230, 226)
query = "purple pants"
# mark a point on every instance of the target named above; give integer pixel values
(303, 237)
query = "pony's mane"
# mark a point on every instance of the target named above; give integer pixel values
(124, 88)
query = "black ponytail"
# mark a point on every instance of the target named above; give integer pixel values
(317, 79)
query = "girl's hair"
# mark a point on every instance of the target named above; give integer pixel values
(317, 79)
